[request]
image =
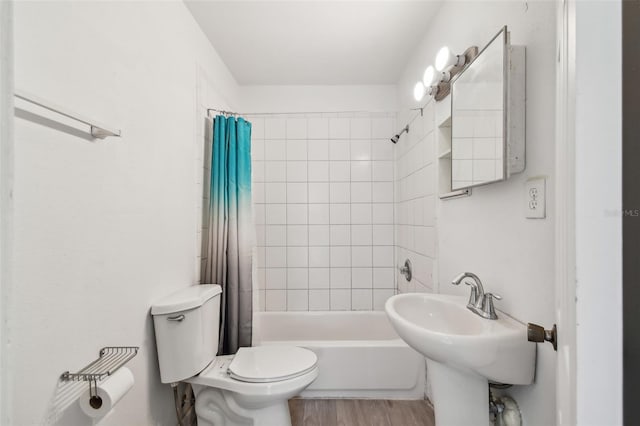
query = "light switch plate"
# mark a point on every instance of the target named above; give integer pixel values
(534, 198)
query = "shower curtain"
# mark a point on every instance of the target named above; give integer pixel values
(229, 235)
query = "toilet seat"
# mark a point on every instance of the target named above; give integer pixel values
(217, 375)
(266, 364)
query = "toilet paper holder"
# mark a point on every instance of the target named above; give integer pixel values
(110, 359)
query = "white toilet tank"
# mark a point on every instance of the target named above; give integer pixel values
(187, 330)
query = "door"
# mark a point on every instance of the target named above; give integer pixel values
(589, 209)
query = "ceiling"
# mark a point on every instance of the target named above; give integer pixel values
(314, 42)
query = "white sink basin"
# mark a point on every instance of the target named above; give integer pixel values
(463, 350)
(442, 328)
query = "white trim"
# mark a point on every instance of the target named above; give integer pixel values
(565, 216)
(6, 199)
(588, 230)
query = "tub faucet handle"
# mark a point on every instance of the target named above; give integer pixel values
(406, 270)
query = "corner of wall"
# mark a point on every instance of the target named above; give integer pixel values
(6, 200)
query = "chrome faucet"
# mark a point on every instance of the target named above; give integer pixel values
(480, 303)
(477, 292)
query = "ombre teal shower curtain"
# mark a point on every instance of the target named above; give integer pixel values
(229, 231)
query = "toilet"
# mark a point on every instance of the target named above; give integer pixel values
(249, 388)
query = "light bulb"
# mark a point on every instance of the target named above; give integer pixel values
(429, 76)
(418, 91)
(443, 58)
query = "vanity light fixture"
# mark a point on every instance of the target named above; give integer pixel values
(418, 91)
(433, 90)
(436, 81)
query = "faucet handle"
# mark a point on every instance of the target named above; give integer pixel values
(488, 310)
(406, 270)
(495, 296)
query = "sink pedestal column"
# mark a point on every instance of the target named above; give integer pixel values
(459, 398)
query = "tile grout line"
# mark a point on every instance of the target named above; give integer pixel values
(397, 154)
(306, 125)
(329, 218)
(264, 221)
(395, 201)
(372, 232)
(286, 220)
(351, 203)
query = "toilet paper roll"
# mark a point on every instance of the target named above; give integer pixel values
(111, 390)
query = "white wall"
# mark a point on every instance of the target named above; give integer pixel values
(487, 233)
(318, 98)
(6, 183)
(104, 228)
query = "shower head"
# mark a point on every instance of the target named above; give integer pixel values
(396, 138)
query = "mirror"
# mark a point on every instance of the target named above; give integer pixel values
(482, 104)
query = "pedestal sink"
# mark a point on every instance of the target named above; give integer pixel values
(464, 352)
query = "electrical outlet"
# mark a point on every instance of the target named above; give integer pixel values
(534, 197)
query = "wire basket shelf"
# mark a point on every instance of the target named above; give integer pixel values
(110, 359)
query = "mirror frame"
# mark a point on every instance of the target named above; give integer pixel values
(504, 32)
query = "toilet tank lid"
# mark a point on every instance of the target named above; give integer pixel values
(185, 299)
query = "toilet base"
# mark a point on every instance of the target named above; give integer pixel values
(215, 407)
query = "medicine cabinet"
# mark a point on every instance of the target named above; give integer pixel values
(488, 116)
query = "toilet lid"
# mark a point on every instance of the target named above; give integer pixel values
(271, 363)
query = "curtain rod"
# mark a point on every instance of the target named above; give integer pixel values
(221, 111)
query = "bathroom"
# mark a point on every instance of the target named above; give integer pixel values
(95, 231)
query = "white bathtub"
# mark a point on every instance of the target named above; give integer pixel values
(359, 353)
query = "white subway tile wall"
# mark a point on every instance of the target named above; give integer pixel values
(415, 192)
(323, 193)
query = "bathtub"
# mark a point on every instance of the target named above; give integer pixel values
(359, 353)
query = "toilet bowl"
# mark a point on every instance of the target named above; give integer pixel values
(249, 388)
(253, 386)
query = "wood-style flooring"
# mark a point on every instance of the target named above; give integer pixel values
(360, 412)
